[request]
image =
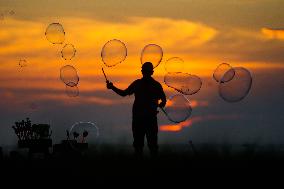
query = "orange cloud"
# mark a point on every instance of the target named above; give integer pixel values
(44, 59)
(102, 101)
(193, 120)
(170, 128)
(273, 33)
(195, 103)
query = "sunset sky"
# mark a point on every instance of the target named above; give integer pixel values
(247, 33)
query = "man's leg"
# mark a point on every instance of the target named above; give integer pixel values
(152, 136)
(138, 137)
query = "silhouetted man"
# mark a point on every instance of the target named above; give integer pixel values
(147, 93)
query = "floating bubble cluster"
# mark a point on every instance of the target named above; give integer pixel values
(184, 83)
(152, 53)
(238, 87)
(178, 108)
(113, 52)
(69, 76)
(55, 33)
(234, 83)
(68, 52)
(174, 64)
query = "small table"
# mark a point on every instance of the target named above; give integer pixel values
(36, 145)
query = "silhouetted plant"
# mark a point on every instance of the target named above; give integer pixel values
(67, 134)
(75, 135)
(26, 131)
(85, 134)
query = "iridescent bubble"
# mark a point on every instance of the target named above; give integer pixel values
(152, 53)
(174, 64)
(228, 76)
(113, 52)
(68, 52)
(184, 83)
(220, 72)
(2, 16)
(68, 74)
(23, 63)
(236, 89)
(11, 12)
(84, 135)
(55, 33)
(178, 108)
(72, 91)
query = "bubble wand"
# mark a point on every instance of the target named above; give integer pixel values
(163, 110)
(104, 74)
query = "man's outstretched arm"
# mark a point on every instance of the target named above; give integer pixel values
(116, 90)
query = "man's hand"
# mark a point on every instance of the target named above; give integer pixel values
(109, 84)
(162, 104)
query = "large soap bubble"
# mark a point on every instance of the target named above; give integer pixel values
(113, 52)
(55, 33)
(174, 64)
(220, 71)
(178, 108)
(152, 53)
(237, 88)
(68, 52)
(183, 82)
(84, 135)
(72, 91)
(68, 74)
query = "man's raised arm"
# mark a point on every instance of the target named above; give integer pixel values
(117, 90)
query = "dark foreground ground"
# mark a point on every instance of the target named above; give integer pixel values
(176, 164)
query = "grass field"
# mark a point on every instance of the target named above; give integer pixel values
(174, 163)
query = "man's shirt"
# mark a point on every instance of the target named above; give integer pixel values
(147, 94)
